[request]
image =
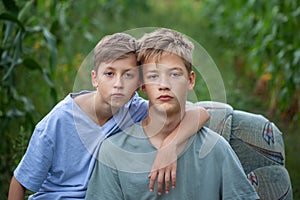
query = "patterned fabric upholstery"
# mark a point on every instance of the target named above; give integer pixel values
(258, 144)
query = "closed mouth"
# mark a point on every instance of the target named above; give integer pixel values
(164, 97)
(117, 95)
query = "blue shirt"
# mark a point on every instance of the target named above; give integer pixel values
(60, 157)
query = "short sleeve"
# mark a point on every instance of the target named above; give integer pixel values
(235, 183)
(34, 166)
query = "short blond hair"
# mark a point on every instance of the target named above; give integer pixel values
(162, 41)
(114, 47)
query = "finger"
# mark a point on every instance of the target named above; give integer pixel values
(160, 179)
(173, 174)
(152, 176)
(167, 181)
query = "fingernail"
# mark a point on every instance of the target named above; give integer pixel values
(159, 193)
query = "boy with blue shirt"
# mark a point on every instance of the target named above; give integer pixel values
(61, 154)
(207, 167)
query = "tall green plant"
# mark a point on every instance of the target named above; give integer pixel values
(18, 62)
(265, 35)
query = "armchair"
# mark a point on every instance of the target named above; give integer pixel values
(258, 144)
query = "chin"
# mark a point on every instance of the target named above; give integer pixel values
(168, 109)
(117, 105)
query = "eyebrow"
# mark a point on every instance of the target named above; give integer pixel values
(108, 67)
(151, 71)
(171, 69)
(176, 68)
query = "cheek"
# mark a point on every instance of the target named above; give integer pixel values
(180, 88)
(135, 82)
(132, 86)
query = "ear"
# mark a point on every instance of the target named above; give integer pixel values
(192, 78)
(144, 89)
(138, 87)
(94, 78)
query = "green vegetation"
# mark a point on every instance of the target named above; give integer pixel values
(263, 36)
(255, 45)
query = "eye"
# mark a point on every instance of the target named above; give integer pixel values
(152, 76)
(128, 75)
(175, 74)
(109, 74)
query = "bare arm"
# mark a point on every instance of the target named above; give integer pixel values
(16, 190)
(165, 163)
(193, 121)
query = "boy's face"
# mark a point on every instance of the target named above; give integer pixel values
(167, 82)
(117, 81)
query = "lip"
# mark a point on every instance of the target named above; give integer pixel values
(164, 97)
(117, 95)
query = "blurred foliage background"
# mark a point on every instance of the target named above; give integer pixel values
(255, 44)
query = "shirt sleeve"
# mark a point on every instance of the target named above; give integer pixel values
(34, 166)
(235, 184)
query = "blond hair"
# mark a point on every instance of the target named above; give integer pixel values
(162, 41)
(114, 47)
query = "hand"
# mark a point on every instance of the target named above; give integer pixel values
(164, 167)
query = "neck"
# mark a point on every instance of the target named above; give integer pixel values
(102, 111)
(158, 126)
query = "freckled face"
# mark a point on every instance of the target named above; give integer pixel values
(167, 82)
(116, 82)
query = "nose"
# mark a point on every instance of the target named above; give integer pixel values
(164, 83)
(118, 82)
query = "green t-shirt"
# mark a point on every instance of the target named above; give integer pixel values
(207, 169)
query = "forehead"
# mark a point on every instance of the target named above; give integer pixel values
(167, 60)
(126, 63)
